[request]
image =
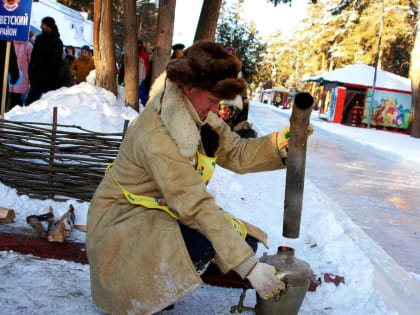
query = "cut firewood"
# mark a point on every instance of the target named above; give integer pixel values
(63, 227)
(6, 215)
(80, 227)
(34, 221)
(50, 219)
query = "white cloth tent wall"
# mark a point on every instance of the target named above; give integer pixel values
(360, 74)
(74, 27)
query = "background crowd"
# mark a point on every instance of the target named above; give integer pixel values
(42, 64)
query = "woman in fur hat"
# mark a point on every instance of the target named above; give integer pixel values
(153, 227)
(235, 112)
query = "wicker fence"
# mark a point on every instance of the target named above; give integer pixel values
(55, 161)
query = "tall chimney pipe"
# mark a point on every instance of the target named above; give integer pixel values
(295, 174)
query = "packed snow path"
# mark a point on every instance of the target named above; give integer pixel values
(378, 193)
(329, 240)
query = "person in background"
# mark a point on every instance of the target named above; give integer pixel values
(148, 80)
(153, 227)
(235, 112)
(121, 71)
(277, 100)
(46, 66)
(144, 73)
(177, 51)
(13, 68)
(31, 37)
(23, 54)
(83, 65)
(69, 57)
(144, 69)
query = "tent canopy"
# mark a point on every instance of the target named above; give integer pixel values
(361, 74)
(278, 89)
(35, 30)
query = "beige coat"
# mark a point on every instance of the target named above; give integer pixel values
(138, 260)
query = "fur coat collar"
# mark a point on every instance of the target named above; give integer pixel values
(178, 115)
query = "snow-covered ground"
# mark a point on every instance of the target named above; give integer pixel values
(374, 283)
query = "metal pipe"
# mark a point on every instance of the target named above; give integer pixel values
(295, 174)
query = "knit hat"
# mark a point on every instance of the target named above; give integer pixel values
(49, 21)
(86, 47)
(208, 66)
(178, 46)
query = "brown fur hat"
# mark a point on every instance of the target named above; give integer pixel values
(208, 66)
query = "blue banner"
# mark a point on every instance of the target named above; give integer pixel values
(15, 19)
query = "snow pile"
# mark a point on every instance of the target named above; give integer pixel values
(330, 242)
(259, 198)
(85, 105)
(397, 146)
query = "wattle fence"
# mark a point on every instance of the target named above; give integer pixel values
(52, 161)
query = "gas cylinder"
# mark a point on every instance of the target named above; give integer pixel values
(296, 274)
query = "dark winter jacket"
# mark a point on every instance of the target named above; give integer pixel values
(46, 63)
(69, 60)
(13, 67)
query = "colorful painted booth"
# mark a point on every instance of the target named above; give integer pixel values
(274, 93)
(349, 97)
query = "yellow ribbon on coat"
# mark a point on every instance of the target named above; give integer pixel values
(205, 168)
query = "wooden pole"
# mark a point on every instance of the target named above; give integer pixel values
(5, 74)
(103, 45)
(125, 128)
(415, 80)
(163, 41)
(295, 175)
(207, 23)
(131, 55)
(52, 152)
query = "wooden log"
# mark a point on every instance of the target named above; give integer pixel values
(125, 128)
(52, 148)
(39, 228)
(6, 215)
(25, 244)
(63, 227)
(295, 175)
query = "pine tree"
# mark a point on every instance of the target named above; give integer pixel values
(330, 38)
(233, 31)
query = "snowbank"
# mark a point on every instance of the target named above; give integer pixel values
(329, 240)
(85, 105)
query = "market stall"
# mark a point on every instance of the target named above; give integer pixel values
(348, 97)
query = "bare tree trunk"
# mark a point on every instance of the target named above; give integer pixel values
(415, 80)
(131, 55)
(164, 33)
(103, 45)
(147, 23)
(206, 28)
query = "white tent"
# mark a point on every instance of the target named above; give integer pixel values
(361, 74)
(74, 27)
